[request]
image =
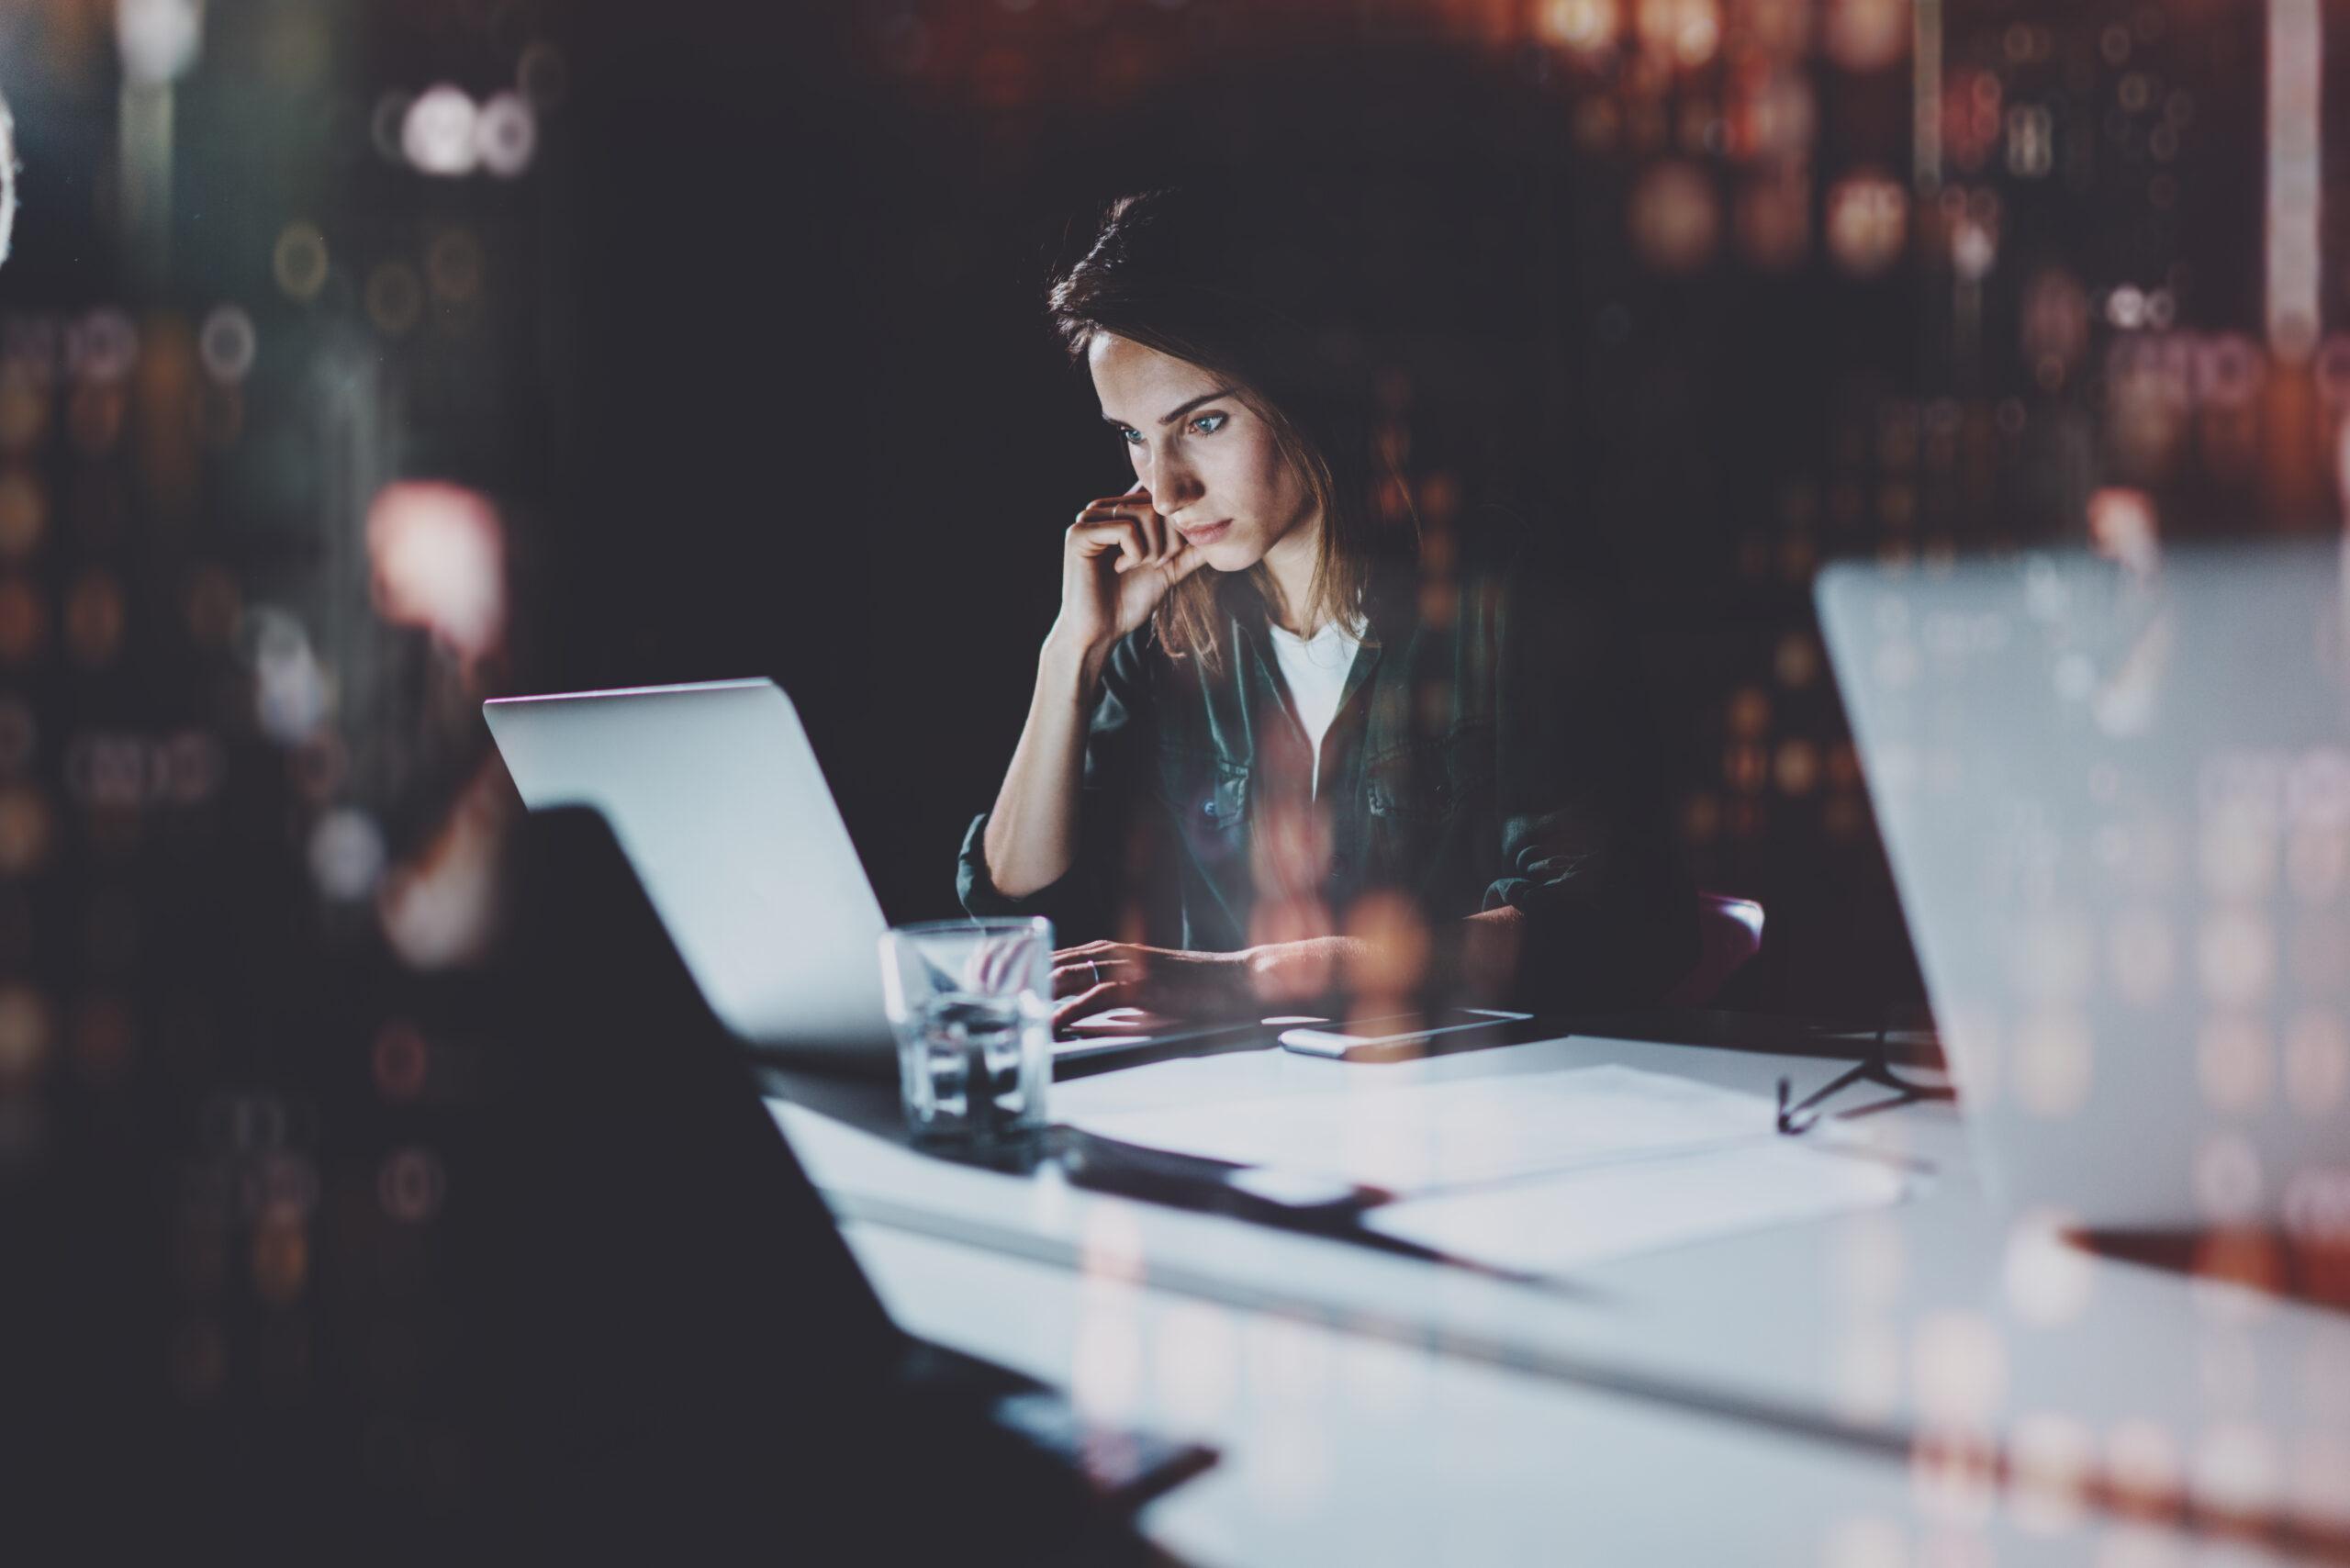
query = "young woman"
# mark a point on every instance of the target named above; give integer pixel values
(1270, 762)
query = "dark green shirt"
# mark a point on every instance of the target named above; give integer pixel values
(1489, 749)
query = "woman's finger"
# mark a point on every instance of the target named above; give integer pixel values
(1099, 538)
(1081, 974)
(999, 960)
(1112, 511)
(1100, 999)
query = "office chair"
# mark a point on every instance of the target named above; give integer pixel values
(1730, 931)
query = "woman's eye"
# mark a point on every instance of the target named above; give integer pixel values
(1208, 424)
(1131, 437)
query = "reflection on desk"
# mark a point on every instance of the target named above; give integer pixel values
(1928, 1381)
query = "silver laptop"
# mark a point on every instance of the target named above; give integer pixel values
(715, 795)
(2116, 805)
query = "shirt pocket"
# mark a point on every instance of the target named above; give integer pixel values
(1432, 781)
(1207, 794)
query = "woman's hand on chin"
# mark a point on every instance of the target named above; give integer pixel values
(1099, 976)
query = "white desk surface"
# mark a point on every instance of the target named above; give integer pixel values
(1759, 1397)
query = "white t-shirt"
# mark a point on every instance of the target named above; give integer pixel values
(1314, 670)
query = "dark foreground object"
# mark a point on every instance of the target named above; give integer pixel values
(682, 1348)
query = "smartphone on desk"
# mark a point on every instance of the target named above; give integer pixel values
(1129, 1033)
(1407, 1034)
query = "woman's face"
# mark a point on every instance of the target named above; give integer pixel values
(1211, 465)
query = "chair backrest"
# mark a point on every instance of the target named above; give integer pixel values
(1730, 931)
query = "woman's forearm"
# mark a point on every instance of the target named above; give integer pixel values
(1477, 962)
(1031, 838)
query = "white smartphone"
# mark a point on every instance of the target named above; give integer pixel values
(1318, 1042)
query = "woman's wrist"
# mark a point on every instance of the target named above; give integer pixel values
(1308, 969)
(1069, 661)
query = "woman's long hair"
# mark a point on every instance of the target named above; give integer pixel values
(1239, 289)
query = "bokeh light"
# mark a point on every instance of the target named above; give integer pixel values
(2143, 1467)
(228, 344)
(2235, 956)
(410, 1185)
(24, 622)
(1867, 35)
(1773, 219)
(2053, 1458)
(436, 554)
(1958, 1370)
(386, 122)
(401, 1060)
(2235, 1470)
(28, 1032)
(506, 134)
(2122, 527)
(2317, 1061)
(159, 40)
(2048, 1279)
(1583, 27)
(24, 513)
(27, 830)
(439, 909)
(300, 262)
(291, 695)
(1868, 223)
(2227, 1179)
(213, 607)
(346, 855)
(1686, 32)
(1676, 215)
(2234, 1062)
(2052, 1064)
(102, 347)
(281, 1261)
(438, 133)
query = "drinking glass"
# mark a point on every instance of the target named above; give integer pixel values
(972, 1003)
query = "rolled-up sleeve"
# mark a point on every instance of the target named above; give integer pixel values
(1083, 901)
(1586, 852)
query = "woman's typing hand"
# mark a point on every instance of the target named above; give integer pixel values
(1195, 987)
(1099, 976)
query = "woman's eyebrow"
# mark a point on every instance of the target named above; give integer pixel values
(1173, 414)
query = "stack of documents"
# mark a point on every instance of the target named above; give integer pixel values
(1535, 1172)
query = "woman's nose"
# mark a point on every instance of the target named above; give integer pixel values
(1173, 483)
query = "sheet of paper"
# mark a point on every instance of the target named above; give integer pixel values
(1555, 1224)
(1418, 1138)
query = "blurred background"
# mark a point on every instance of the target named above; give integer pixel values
(361, 361)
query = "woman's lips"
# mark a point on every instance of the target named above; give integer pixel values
(1209, 534)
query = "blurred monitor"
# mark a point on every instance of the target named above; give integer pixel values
(2116, 799)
